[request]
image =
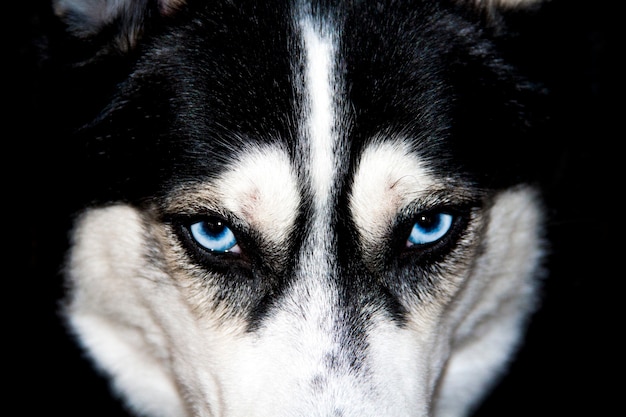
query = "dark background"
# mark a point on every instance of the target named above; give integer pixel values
(569, 364)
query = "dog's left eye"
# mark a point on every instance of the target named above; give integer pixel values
(214, 235)
(429, 228)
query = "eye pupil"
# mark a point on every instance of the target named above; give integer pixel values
(213, 228)
(427, 222)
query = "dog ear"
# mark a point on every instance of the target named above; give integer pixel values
(503, 4)
(492, 7)
(121, 20)
(494, 10)
(508, 3)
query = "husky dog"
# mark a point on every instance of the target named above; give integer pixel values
(302, 208)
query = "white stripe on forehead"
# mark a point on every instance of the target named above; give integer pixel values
(321, 143)
(313, 295)
(320, 119)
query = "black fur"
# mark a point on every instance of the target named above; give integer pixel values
(227, 77)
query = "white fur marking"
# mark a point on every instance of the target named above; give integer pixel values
(261, 188)
(107, 309)
(388, 178)
(319, 51)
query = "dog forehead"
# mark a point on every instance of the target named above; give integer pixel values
(266, 182)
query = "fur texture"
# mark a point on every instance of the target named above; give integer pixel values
(303, 208)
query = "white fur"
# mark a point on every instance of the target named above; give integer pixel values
(321, 115)
(260, 190)
(387, 179)
(494, 304)
(107, 309)
(184, 360)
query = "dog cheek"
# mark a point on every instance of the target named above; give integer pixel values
(145, 327)
(106, 312)
(494, 305)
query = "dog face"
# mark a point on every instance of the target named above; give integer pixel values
(302, 209)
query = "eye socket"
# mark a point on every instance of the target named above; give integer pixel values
(429, 228)
(214, 235)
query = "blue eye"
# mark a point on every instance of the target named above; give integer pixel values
(429, 228)
(214, 235)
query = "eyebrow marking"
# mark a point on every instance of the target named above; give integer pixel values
(260, 189)
(388, 178)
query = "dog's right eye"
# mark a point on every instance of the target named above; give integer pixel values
(214, 235)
